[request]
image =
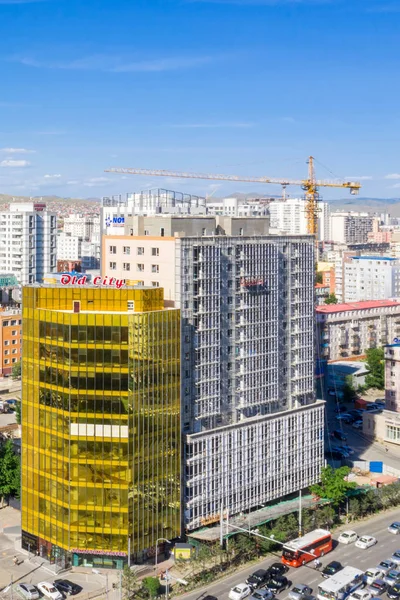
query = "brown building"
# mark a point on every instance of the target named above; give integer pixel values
(67, 266)
(10, 340)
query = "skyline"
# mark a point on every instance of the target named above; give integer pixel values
(231, 86)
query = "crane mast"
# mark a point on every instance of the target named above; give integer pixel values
(309, 185)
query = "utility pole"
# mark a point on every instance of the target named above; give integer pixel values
(120, 584)
(300, 515)
(221, 526)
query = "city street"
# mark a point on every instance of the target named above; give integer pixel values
(347, 555)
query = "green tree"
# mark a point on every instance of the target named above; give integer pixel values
(333, 484)
(331, 299)
(129, 582)
(318, 277)
(326, 516)
(152, 586)
(10, 471)
(349, 393)
(18, 412)
(354, 508)
(376, 366)
(16, 371)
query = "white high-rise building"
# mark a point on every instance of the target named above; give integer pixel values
(69, 247)
(351, 227)
(371, 278)
(85, 227)
(236, 207)
(28, 242)
(289, 216)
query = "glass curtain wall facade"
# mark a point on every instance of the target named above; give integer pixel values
(100, 423)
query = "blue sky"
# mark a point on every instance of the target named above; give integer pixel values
(248, 87)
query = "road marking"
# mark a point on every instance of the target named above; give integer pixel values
(364, 560)
(313, 580)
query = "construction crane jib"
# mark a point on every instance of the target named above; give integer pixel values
(310, 185)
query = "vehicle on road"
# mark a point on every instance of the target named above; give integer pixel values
(356, 412)
(258, 578)
(240, 591)
(341, 409)
(278, 583)
(347, 448)
(392, 577)
(377, 588)
(366, 541)
(343, 416)
(334, 455)
(396, 557)
(372, 575)
(262, 595)
(277, 569)
(394, 528)
(360, 595)
(380, 403)
(208, 597)
(309, 547)
(394, 591)
(386, 565)
(372, 407)
(331, 569)
(49, 591)
(341, 585)
(348, 537)
(27, 591)
(67, 587)
(341, 451)
(340, 435)
(300, 590)
(358, 424)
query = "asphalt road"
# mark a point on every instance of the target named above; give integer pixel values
(347, 555)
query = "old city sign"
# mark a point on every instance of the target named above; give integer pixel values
(83, 280)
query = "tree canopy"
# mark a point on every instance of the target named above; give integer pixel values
(376, 365)
(10, 471)
(331, 299)
(16, 371)
(333, 484)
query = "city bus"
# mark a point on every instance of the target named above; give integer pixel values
(341, 585)
(309, 547)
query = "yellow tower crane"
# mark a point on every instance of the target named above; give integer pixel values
(309, 185)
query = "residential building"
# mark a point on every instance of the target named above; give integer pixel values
(10, 290)
(238, 207)
(82, 226)
(351, 227)
(66, 266)
(252, 429)
(69, 247)
(371, 278)
(289, 216)
(392, 375)
(28, 241)
(380, 237)
(327, 271)
(349, 330)
(322, 292)
(10, 339)
(90, 255)
(342, 372)
(101, 462)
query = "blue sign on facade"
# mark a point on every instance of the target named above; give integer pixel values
(115, 220)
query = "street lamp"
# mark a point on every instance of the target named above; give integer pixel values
(160, 540)
(167, 579)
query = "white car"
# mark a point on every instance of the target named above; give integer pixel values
(347, 537)
(396, 557)
(360, 595)
(358, 424)
(240, 591)
(386, 565)
(366, 541)
(49, 591)
(372, 575)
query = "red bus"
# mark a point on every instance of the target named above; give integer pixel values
(301, 550)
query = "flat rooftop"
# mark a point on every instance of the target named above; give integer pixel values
(350, 306)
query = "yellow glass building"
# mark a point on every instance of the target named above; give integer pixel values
(100, 423)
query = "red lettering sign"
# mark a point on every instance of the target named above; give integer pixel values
(99, 281)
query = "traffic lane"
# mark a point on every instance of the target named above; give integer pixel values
(347, 555)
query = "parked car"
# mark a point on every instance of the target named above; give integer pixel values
(334, 455)
(341, 451)
(394, 591)
(377, 588)
(396, 557)
(49, 591)
(67, 587)
(299, 590)
(392, 577)
(355, 412)
(394, 528)
(278, 583)
(360, 595)
(340, 435)
(263, 594)
(386, 565)
(341, 409)
(348, 449)
(372, 407)
(240, 591)
(380, 403)
(357, 424)
(27, 591)
(344, 417)
(347, 537)
(277, 569)
(366, 541)
(258, 578)
(372, 575)
(331, 569)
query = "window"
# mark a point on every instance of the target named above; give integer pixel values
(6, 352)
(13, 360)
(14, 342)
(155, 283)
(14, 351)
(154, 268)
(146, 232)
(113, 266)
(113, 249)
(139, 267)
(6, 343)
(162, 231)
(6, 323)
(6, 361)
(126, 250)
(140, 251)
(126, 266)
(155, 251)
(14, 332)
(14, 322)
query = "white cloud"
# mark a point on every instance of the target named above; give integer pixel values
(393, 176)
(17, 151)
(14, 163)
(96, 181)
(217, 125)
(396, 185)
(72, 182)
(359, 178)
(56, 176)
